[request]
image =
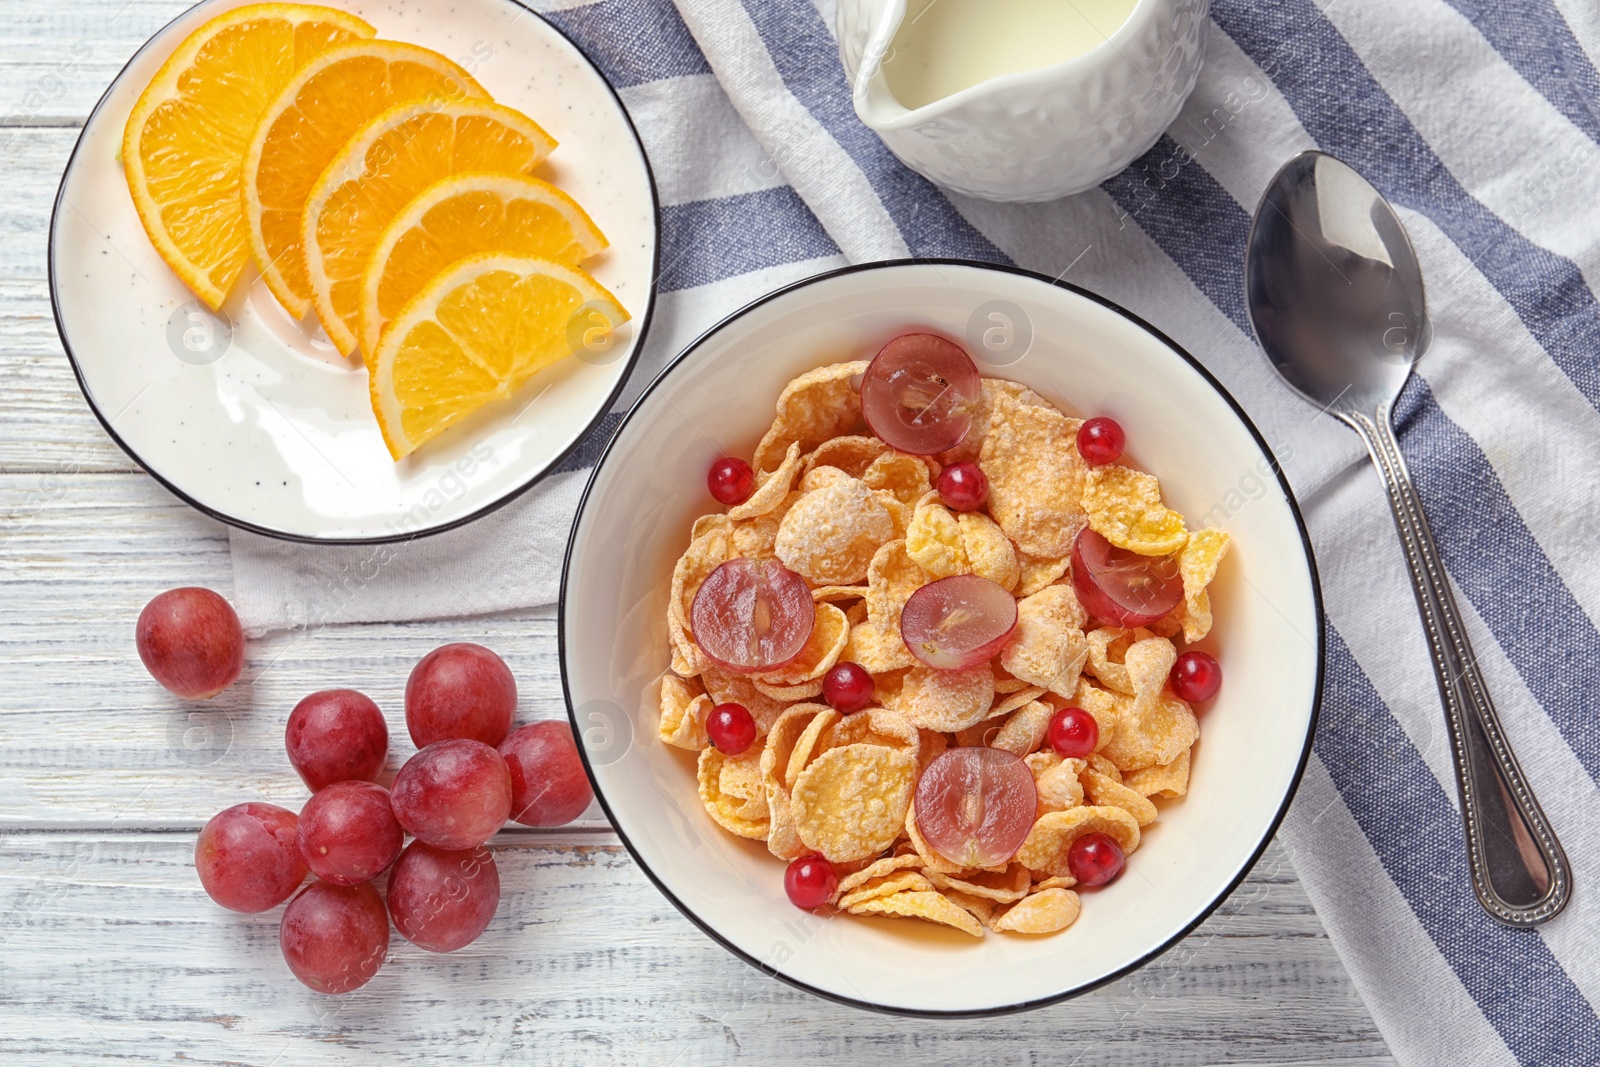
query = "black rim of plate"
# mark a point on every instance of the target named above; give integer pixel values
(1311, 571)
(644, 320)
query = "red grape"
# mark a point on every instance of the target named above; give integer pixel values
(335, 937)
(337, 735)
(442, 899)
(1100, 441)
(810, 881)
(1195, 677)
(1122, 588)
(1095, 859)
(348, 833)
(919, 393)
(453, 794)
(752, 615)
(963, 486)
(847, 687)
(460, 690)
(731, 728)
(975, 805)
(548, 785)
(191, 642)
(731, 481)
(1073, 733)
(958, 622)
(247, 857)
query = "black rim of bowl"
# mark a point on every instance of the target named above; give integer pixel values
(1311, 571)
(309, 539)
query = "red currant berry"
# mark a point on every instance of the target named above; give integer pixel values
(1100, 441)
(963, 486)
(1095, 859)
(810, 881)
(731, 481)
(1073, 733)
(847, 687)
(1195, 677)
(731, 728)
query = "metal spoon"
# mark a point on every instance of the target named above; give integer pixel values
(1336, 299)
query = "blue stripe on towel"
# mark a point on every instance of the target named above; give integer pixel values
(1348, 114)
(1487, 548)
(632, 41)
(1535, 39)
(806, 58)
(706, 241)
(1520, 986)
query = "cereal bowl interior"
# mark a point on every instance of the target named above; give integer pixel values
(1087, 358)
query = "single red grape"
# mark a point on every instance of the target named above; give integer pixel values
(731, 481)
(1122, 588)
(731, 728)
(548, 786)
(1073, 733)
(453, 794)
(443, 899)
(847, 687)
(810, 881)
(191, 642)
(460, 690)
(348, 833)
(975, 805)
(1100, 441)
(1195, 677)
(958, 622)
(335, 937)
(752, 615)
(337, 735)
(919, 393)
(247, 857)
(963, 486)
(1095, 859)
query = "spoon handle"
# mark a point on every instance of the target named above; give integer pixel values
(1519, 871)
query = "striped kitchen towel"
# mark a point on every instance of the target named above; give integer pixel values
(1481, 122)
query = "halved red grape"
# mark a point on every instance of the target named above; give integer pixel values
(975, 805)
(335, 937)
(191, 642)
(1122, 588)
(442, 899)
(460, 690)
(752, 615)
(919, 393)
(453, 794)
(548, 786)
(247, 857)
(958, 622)
(337, 735)
(348, 833)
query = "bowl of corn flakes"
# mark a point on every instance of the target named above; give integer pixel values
(894, 626)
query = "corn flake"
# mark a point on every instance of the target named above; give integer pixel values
(1054, 832)
(931, 860)
(1197, 562)
(852, 454)
(934, 539)
(877, 650)
(724, 809)
(989, 552)
(1169, 780)
(1104, 792)
(947, 700)
(684, 707)
(783, 841)
(903, 476)
(850, 803)
(1060, 787)
(726, 687)
(968, 450)
(1124, 507)
(704, 555)
(928, 905)
(805, 746)
(1002, 887)
(1038, 572)
(878, 869)
(1043, 912)
(830, 631)
(1030, 456)
(898, 882)
(1151, 732)
(771, 489)
(1048, 647)
(816, 406)
(1025, 730)
(830, 535)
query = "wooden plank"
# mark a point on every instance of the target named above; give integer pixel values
(60, 57)
(113, 954)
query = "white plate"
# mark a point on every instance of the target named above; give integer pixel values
(1085, 354)
(262, 424)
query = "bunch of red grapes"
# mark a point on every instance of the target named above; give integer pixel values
(471, 773)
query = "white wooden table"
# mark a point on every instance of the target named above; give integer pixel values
(110, 951)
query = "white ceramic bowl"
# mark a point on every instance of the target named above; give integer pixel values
(718, 397)
(255, 419)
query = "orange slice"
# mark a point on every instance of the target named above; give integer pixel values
(462, 215)
(306, 126)
(475, 335)
(186, 137)
(387, 162)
